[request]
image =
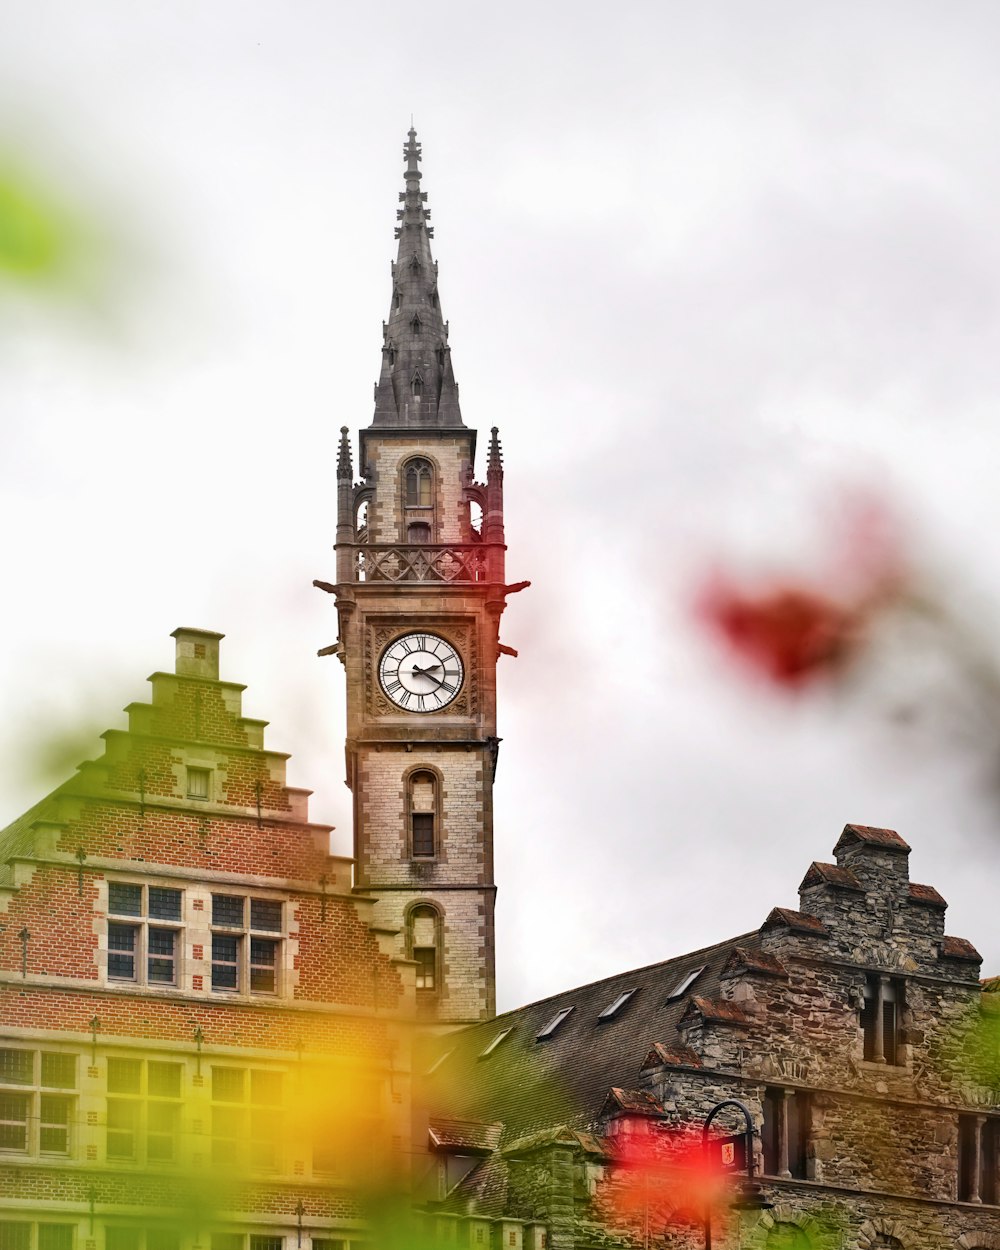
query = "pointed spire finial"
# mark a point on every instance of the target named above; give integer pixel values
(415, 359)
(345, 468)
(494, 461)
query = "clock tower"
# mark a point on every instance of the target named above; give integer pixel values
(420, 589)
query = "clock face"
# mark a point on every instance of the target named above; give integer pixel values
(420, 672)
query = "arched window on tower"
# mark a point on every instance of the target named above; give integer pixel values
(416, 385)
(419, 478)
(422, 813)
(424, 941)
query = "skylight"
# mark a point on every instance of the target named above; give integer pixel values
(684, 984)
(553, 1024)
(610, 1012)
(496, 1042)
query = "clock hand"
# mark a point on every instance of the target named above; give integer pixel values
(426, 672)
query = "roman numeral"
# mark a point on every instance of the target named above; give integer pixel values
(421, 642)
(404, 699)
(420, 702)
(393, 688)
(445, 685)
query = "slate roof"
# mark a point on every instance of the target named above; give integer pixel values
(564, 1079)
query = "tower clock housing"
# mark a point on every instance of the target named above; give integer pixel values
(420, 589)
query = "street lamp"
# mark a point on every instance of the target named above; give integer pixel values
(751, 1197)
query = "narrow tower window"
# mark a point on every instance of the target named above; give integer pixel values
(418, 484)
(422, 793)
(880, 1016)
(417, 385)
(424, 946)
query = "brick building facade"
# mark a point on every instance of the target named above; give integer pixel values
(214, 1035)
(180, 955)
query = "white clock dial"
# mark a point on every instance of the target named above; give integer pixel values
(420, 672)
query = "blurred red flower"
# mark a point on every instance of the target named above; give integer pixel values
(795, 633)
(790, 634)
(665, 1172)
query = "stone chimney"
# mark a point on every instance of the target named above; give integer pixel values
(197, 653)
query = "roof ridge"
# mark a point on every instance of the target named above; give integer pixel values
(586, 985)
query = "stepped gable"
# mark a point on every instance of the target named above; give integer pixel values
(187, 795)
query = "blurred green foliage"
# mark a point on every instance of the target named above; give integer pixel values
(39, 236)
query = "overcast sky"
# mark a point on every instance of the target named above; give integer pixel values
(710, 268)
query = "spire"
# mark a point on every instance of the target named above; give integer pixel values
(494, 460)
(416, 387)
(345, 469)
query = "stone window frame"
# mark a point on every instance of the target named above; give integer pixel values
(198, 773)
(33, 1239)
(984, 1164)
(34, 1091)
(219, 1240)
(873, 1233)
(782, 1097)
(419, 513)
(245, 935)
(873, 1035)
(408, 779)
(783, 1213)
(142, 925)
(254, 1127)
(142, 1238)
(409, 916)
(153, 1113)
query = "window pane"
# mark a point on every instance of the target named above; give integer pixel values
(14, 1236)
(198, 779)
(124, 900)
(425, 967)
(162, 1119)
(58, 1071)
(265, 1131)
(14, 1121)
(162, 1239)
(228, 1131)
(263, 965)
(124, 1075)
(225, 950)
(160, 961)
(164, 1079)
(264, 1243)
(265, 1088)
(265, 914)
(55, 1237)
(164, 904)
(16, 1068)
(228, 1084)
(123, 1117)
(423, 833)
(121, 1238)
(227, 909)
(54, 1124)
(121, 951)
